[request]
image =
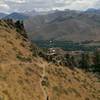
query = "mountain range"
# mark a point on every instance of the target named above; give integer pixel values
(24, 15)
(16, 16)
(92, 10)
(2, 15)
(65, 25)
(60, 25)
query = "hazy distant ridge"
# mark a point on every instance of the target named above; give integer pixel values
(65, 25)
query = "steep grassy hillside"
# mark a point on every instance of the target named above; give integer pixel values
(26, 77)
(20, 72)
(66, 84)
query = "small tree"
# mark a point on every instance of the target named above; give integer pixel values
(20, 28)
(73, 61)
(96, 66)
(18, 24)
(84, 62)
(97, 58)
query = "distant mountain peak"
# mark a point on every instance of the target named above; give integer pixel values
(16, 16)
(93, 10)
(2, 15)
(65, 25)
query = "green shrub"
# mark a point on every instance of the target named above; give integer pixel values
(23, 59)
(45, 82)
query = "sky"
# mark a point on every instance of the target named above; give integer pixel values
(9, 6)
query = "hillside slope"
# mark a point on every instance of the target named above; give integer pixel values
(26, 77)
(20, 73)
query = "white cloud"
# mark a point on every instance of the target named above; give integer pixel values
(4, 6)
(16, 1)
(83, 4)
(24, 5)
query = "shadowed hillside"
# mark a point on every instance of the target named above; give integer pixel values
(26, 76)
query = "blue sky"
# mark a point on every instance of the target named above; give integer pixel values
(9, 6)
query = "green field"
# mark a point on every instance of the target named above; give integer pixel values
(68, 45)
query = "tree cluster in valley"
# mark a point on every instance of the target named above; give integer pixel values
(86, 60)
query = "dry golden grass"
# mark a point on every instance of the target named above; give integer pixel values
(67, 84)
(21, 74)
(19, 77)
